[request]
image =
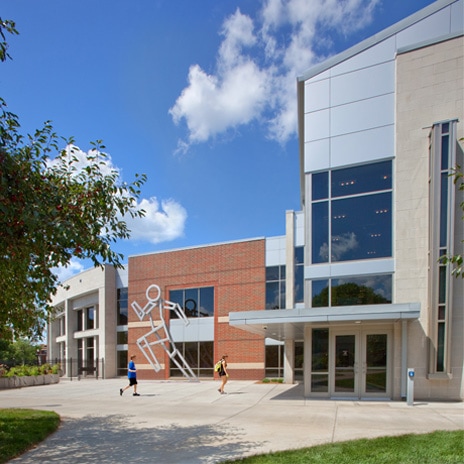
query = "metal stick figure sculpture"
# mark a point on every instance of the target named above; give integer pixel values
(159, 334)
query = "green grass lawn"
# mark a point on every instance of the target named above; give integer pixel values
(20, 429)
(431, 448)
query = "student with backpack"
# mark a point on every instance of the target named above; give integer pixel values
(221, 368)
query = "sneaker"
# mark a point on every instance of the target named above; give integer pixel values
(135, 394)
(120, 391)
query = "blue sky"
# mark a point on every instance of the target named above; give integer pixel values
(199, 95)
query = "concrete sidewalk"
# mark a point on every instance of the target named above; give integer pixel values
(190, 422)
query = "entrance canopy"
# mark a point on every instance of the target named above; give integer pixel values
(289, 324)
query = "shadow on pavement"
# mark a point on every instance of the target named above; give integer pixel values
(110, 440)
(294, 393)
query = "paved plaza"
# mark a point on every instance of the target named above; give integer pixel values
(190, 422)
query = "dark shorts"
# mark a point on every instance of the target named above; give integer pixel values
(132, 381)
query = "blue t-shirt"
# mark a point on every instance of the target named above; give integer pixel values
(131, 375)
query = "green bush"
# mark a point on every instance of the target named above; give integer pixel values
(272, 380)
(25, 370)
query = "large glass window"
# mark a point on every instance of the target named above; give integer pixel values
(348, 291)
(275, 287)
(196, 302)
(351, 213)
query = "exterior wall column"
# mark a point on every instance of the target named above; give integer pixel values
(289, 361)
(404, 358)
(289, 347)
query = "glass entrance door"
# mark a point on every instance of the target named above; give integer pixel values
(360, 364)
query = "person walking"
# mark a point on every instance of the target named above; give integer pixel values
(223, 374)
(132, 376)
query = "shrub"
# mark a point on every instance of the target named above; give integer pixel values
(25, 370)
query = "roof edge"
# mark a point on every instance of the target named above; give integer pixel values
(375, 39)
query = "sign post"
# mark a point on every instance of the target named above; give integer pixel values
(410, 391)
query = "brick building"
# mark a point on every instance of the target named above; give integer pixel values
(353, 295)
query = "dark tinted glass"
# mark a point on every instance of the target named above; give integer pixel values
(361, 179)
(362, 290)
(362, 227)
(206, 308)
(320, 186)
(320, 232)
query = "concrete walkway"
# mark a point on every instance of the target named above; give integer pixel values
(190, 422)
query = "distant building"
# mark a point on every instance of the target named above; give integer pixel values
(354, 294)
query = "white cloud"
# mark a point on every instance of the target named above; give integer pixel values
(65, 272)
(257, 65)
(341, 244)
(159, 224)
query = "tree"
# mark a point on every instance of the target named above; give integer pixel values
(456, 260)
(53, 207)
(22, 351)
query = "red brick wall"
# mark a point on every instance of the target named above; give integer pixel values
(237, 273)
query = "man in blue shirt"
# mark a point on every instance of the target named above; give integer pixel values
(132, 376)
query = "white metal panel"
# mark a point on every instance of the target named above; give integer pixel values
(317, 95)
(457, 17)
(363, 83)
(299, 229)
(199, 329)
(323, 75)
(383, 51)
(275, 251)
(363, 146)
(362, 115)
(317, 155)
(434, 26)
(350, 268)
(317, 125)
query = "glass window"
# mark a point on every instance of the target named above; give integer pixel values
(196, 302)
(299, 275)
(272, 273)
(320, 185)
(90, 322)
(299, 360)
(206, 305)
(361, 290)
(122, 338)
(320, 293)
(198, 355)
(360, 211)
(320, 232)
(122, 304)
(274, 361)
(275, 287)
(348, 291)
(191, 302)
(361, 179)
(320, 360)
(122, 363)
(79, 320)
(272, 295)
(361, 228)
